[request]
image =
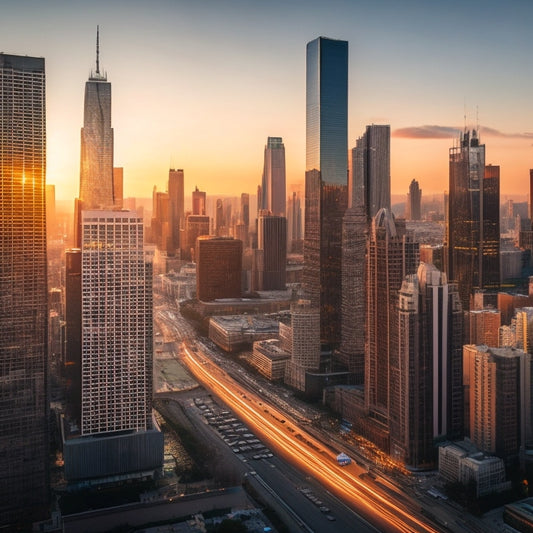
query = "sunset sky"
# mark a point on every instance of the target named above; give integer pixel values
(201, 84)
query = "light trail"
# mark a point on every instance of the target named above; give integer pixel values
(310, 454)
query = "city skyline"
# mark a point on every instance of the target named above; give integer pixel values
(222, 80)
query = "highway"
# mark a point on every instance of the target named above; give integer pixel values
(304, 451)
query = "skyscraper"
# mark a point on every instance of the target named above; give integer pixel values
(391, 255)
(198, 202)
(368, 191)
(426, 372)
(115, 434)
(371, 170)
(23, 293)
(96, 166)
(218, 268)
(473, 230)
(273, 182)
(326, 178)
(176, 200)
(414, 198)
(272, 241)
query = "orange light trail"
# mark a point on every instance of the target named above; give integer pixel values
(311, 456)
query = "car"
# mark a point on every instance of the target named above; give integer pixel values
(330, 518)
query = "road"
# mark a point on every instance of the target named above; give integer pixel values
(301, 449)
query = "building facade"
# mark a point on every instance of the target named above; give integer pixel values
(96, 166)
(272, 240)
(273, 183)
(326, 179)
(23, 293)
(414, 201)
(473, 227)
(426, 376)
(218, 268)
(176, 200)
(392, 254)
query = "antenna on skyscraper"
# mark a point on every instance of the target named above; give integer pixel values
(97, 49)
(477, 120)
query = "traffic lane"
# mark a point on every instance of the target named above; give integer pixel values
(280, 477)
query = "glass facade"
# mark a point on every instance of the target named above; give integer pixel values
(23, 293)
(473, 219)
(326, 178)
(96, 168)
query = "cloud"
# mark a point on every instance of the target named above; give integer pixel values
(447, 132)
(427, 132)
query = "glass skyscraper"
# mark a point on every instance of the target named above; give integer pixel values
(273, 183)
(96, 168)
(326, 178)
(23, 294)
(473, 228)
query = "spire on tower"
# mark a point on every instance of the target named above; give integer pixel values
(97, 50)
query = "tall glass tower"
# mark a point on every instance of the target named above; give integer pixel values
(96, 168)
(23, 294)
(473, 228)
(273, 184)
(326, 178)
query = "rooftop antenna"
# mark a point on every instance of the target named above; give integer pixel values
(477, 119)
(98, 50)
(464, 110)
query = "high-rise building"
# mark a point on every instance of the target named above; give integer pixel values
(245, 209)
(96, 168)
(23, 294)
(414, 200)
(370, 167)
(198, 202)
(368, 191)
(218, 268)
(473, 228)
(482, 326)
(294, 223)
(176, 200)
(117, 434)
(498, 399)
(195, 226)
(392, 254)
(273, 182)
(426, 372)
(110, 432)
(326, 178)
(220, 219)
(302, 340)
(272, 241)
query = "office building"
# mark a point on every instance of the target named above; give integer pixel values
(245, 209)
(176, 201)
(218, 268)
(473, 230)
(117, 434)
(498, 405)
(294, 223)
(195, 226)
(272, 241)
(301, 339)
(392, 254)
(326, 180)
(96, 168)
(109, 431)
(198, 202)
(414, 202)
(426, 370)
(273, 182)
(368, 191)
(370, 169)
(23, 294)
(482, 326)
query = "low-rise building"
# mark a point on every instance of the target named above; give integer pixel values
(269, 359)
(462, 462)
